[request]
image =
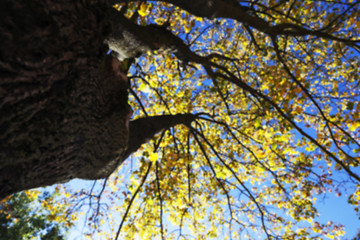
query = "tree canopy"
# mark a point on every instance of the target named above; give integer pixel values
(28, 215)
(257, 107)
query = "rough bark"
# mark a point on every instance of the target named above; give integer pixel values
(63, 104)
(63, 101)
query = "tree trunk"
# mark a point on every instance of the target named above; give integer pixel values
(63, 101)
(63, 104)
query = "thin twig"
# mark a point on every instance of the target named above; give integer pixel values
(160, 200)
(132, 199)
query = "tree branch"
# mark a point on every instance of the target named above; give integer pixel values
(233, 10)
(143, 129)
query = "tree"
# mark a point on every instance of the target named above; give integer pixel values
(357, 236)
(21, 217)
(256, 103)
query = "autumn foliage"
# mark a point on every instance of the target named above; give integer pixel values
(274, 90)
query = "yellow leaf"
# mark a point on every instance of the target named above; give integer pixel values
(143, 11)
(354, 126)
(188, 27)
(153, 157)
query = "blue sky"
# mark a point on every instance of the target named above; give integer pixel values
(338, 210)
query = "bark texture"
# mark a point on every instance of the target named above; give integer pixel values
(63, 101)
(63, 104)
